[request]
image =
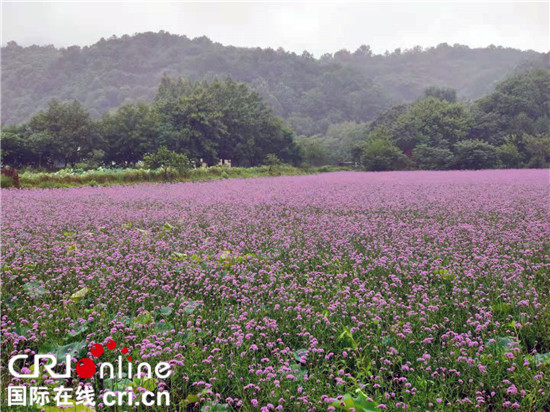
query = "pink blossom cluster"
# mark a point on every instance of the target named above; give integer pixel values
(421, 290)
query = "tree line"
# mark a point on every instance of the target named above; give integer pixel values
(508, 128)
(311, 94)
(224, 119)
(221, 119)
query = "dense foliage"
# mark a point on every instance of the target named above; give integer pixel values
(508, 128)
(403, 291)
(310, 93)
(224, 119)
(202, 120)
(167, 160)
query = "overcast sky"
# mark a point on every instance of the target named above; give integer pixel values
(313, 26)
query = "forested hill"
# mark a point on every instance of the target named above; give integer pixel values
(310, 93)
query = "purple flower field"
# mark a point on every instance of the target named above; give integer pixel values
(342, 291)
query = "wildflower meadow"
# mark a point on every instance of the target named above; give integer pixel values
(343, 291)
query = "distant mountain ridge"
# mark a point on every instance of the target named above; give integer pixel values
(311, 94)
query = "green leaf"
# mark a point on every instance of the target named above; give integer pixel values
(78, 295)
(501, 344)
(538, 358)
(116, 384)
(163, 326)
(179, 255)
(501, 307)
(75, 349)
(347, 337)
(226, 254)
(166, 310)
(359, 403)
(444, 274)
(10, 301)
(73, 408)
(35, 289)
(299, 354)
(195, 257)
(149, 384)
(83, 327)
(144, 319)
(212, 406)
(22, 330)
(299, 372)
(346, 403)
(388, 341)
(192, 398)
(192, 306)
(362, 405)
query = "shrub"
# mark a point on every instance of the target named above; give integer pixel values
(509, 156)
(6, 181)
(432, 158)
(10, 176)
(538, 150)
(475, 154)
(166, 159)
(273, 162)
(380, 154)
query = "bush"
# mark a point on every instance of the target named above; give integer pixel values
(432, 158)
(166, 159)
(10, 177)
(509, 156)
(272, 160)
(380, 154)
(274, 164)
(538, 150)
(475, 154)
(441, 93)
(6, 181)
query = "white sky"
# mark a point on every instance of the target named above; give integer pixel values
(318, 27)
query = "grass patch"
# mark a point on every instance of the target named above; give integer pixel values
(105, 177)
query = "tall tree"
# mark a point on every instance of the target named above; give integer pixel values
(520, 104)
(129, 133)
(74, 131)
(431, 121)
(222, 119)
